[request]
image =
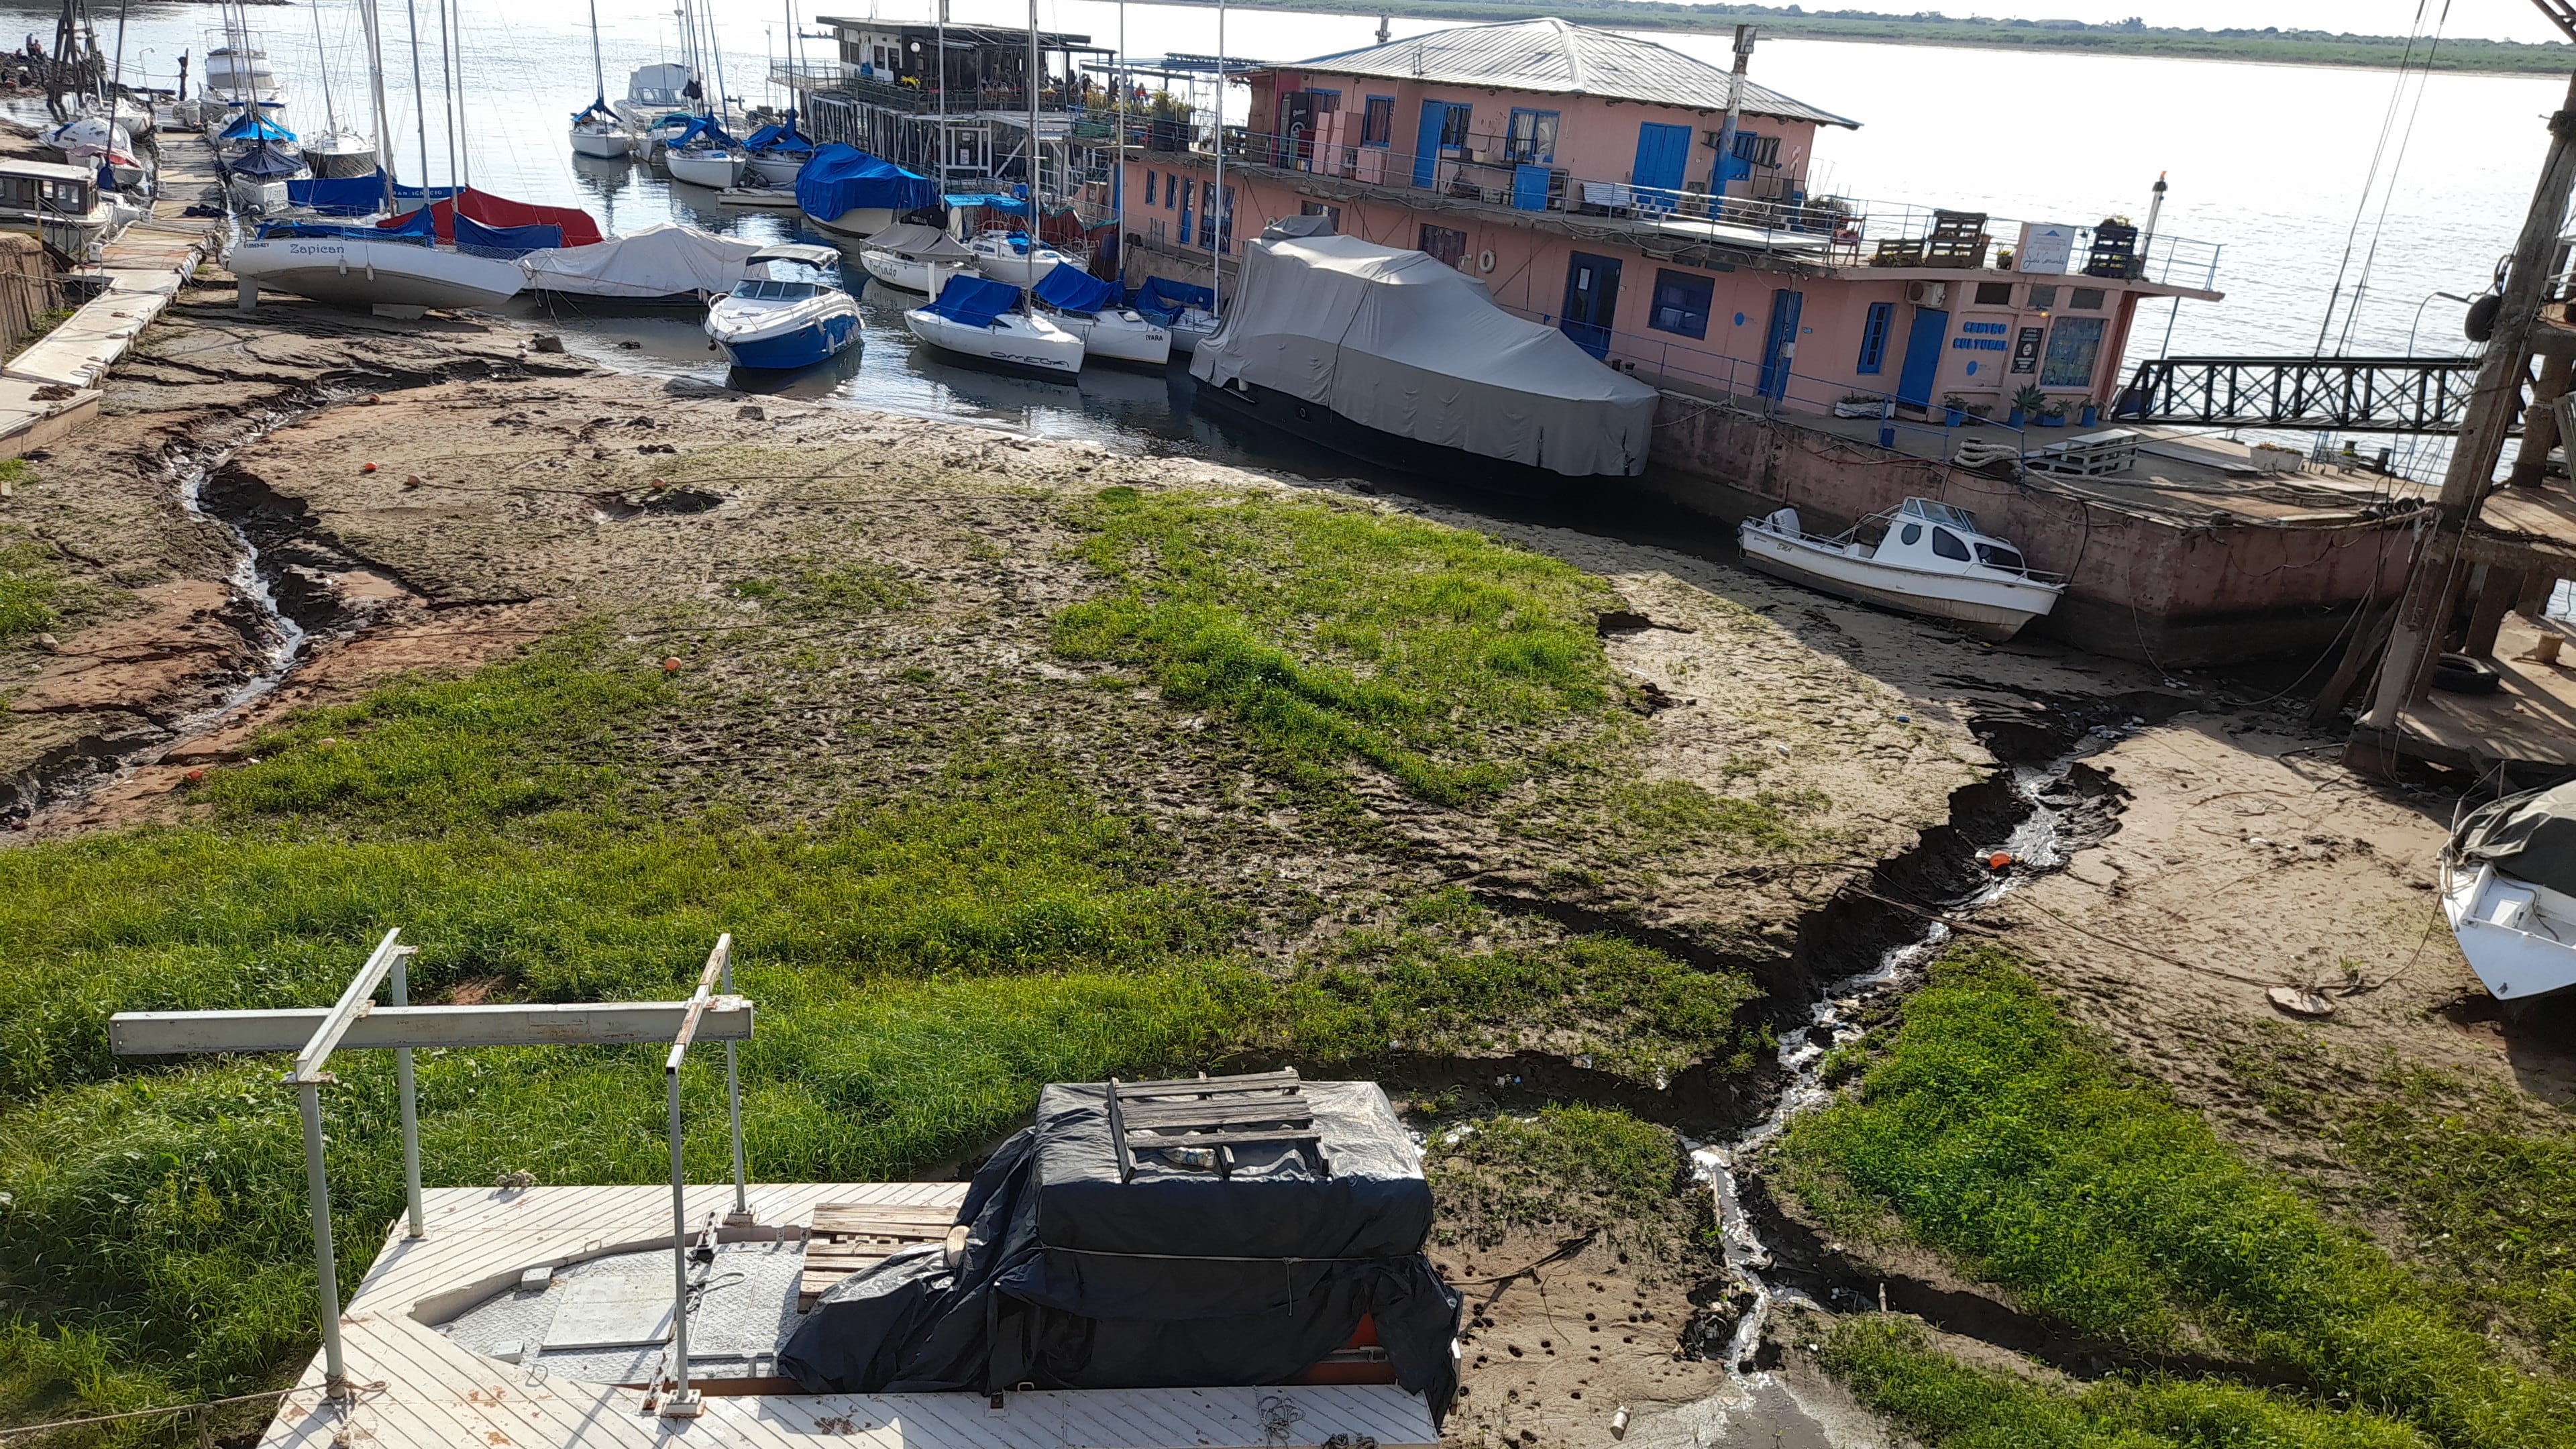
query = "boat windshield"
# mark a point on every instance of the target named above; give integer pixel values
(1959, 518)
(1996, 556)
(771, 289)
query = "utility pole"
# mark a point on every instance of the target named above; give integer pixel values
(1744, 36)
(2432, 589)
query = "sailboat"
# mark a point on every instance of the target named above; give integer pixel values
(779, 152)
(973, 318)
(915, 258)
(596, 130)
(703, 155)
(338, 152)
(398, 269)
(1088, 307)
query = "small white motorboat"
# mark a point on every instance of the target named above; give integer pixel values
(795, 313)
(1931, 560)
(1013, 258)
(973, 318)
(1089, 308)
(654, 92)
(2509, 891)
(915, 258)
(847, 192)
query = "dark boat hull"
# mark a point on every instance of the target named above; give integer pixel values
(1451, 467)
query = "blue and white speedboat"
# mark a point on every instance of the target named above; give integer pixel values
(791, 312)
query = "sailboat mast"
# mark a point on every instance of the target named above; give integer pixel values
(1118, 108)
(598, 70)
(322, 58)
(376, 87)
(463, 144)
(116, 87)
(1036, 73)
(447, 91)
(942, 41)
(1215, 209)
(419, 98)
(715, 52)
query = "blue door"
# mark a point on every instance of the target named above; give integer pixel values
(1663, 152)
(1922, 356)
(1426, 143)
(1591, 301)
(1780, 343)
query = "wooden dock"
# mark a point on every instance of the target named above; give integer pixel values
(420, 1390)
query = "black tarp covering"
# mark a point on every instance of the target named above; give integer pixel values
(2530, 836)
(1177, 1278)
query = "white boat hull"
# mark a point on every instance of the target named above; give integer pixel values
(341, 162)
(1014, 340)
(1991, 608)
(259, 195)
(778, 170)
(1190, 329)
(2518, 937)
(716, 169)
(858, 221)
(912, 276)
(602, 145)
(356, 272)
(1003, 263)
(1118, 337)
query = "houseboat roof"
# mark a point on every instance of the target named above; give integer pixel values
(46, 170)
(961, 37)
(1562, 58)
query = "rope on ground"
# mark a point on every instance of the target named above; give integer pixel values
(21, 1430)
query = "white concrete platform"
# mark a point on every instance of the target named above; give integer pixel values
(419, 1390)
(80, 350)
(29, 422)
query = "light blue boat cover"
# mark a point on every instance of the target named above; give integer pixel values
(1075, 290)
(780, 138)
(1011, 205)
(1162, 299)
(255, 126)
(703, 126)
(974, 301)
(844, 178)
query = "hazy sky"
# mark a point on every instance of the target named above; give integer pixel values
(2495, 19)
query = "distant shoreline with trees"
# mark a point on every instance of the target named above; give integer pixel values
(2270, 45)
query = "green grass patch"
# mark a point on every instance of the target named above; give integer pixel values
(1332, 632)
(1991, 1131)
(1670, 814)
(31, 587)
(813, 591)
(1571, 1167)
(1891, 1366)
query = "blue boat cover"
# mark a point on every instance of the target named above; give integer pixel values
(424, 193)
(1162, 298)
(264, 160)
(259, 127)
(974, 301)
(844, 178)
(1074, 290)
(598, 107)
(780, 138)
(504, 241)
(416, 234)
(705, 126)
(1011, 204)
(106, 175)
(339, 195)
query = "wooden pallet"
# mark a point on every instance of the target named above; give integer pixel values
(1958, 240)
(1212, 1114)
(849, 1236)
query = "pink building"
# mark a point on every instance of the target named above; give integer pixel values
(1577, 173)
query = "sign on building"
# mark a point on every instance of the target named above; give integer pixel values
(2045, 248)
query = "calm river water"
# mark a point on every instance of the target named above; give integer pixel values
(2272, 163)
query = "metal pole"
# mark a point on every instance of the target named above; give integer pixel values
(682, 1400)
(447, 92)
(376, 89)
(419, 97)
(1036, 71)
(317, 1186)
(733, 1108)
(410, 1102)
(1734, 109)
(1118, 107)
(1216, 208)
(2424, 612)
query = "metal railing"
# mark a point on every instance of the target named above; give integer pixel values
(2342, 394)
(849, 82)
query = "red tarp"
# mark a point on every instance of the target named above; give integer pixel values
(578, 229)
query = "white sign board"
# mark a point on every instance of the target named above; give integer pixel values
(2045, 248)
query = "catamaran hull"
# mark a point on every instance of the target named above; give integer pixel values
(704, 168)
(1009, 347)
(355, 272)
(1451, 467)
(2519, 938)
(912, 276)
(1993, 609)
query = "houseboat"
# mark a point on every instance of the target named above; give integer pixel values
(60, 203)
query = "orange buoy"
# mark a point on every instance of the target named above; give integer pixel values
(366, 467)
(195, 775)
(670, 666)
(1999, 860)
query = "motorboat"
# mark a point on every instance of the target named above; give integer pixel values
(653, 92)
(60, 203)
(399, 271)
(846, 191)
(340, 155)
(1186, 311)
(973, 318)
(778, 153)
(239, 71)
(1398, 359)
(915, 258)
(1929, 558)
(1090, 308)
(95, 140)
(668, 265)
(793, 312)
(1014, 258)
(2508, 881)
(703, 155)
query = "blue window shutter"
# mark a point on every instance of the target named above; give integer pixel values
(1873, 336)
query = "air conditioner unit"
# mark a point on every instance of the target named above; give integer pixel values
(1927, 294)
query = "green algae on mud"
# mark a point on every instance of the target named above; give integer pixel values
(1988, 1129)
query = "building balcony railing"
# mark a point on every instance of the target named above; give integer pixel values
(1788, 225)
(857, 84)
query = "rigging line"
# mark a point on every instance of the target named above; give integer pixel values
(2387, 122)
(2379, 224)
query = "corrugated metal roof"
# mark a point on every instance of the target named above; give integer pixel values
(1562, 58)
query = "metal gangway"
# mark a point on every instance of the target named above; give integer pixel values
(711, 1013)
(2322, 394)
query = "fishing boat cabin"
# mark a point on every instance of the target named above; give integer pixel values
(57, 202)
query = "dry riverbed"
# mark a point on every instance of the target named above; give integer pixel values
(836, 614)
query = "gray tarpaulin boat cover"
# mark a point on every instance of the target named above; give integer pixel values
(921, 243)
(1398, 341)
(2530, 836)
(1175, 1278)
(659, 261)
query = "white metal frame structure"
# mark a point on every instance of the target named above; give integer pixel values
(711, 1013)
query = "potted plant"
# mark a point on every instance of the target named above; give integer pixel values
(2092, 413)
(1954, 409)
(2025, 402)
(1983, 412)
(2053, 415)
(2004, 259)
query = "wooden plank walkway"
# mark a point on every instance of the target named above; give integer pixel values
(419, 1390)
